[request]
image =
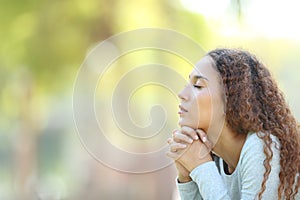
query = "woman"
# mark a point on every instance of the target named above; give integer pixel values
(237, 136)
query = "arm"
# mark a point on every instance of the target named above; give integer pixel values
(187, 188)
(209, 182)
(198, 160)
(188, 191)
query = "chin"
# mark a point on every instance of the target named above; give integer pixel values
(182, 123)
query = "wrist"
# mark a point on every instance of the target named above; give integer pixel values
(183, 179)
(197, 163)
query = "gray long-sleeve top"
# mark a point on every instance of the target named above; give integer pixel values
(210, 182)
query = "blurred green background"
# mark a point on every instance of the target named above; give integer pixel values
(43, 44)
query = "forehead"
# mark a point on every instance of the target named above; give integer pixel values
(205, 68)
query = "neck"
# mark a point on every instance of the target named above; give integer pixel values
(229, 147)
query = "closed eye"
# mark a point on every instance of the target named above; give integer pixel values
(198, 86)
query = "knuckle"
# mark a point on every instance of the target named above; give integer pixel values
(176, 138)
(187, 129)
(177, 133)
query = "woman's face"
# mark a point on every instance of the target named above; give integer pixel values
(202, 104)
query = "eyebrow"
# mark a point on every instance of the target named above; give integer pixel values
(198, 77)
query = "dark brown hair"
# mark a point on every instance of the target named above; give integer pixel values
(255, 104)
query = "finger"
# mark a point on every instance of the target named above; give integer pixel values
(204, 139)
(174, 147)
(169, 140)
(189, 132)
(172, 155)
(174, 131)
(180, 137)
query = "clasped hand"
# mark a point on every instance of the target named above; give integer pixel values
(189, 148)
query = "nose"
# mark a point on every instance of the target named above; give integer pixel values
(183, 95)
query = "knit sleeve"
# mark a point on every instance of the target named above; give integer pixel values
(209, 182)
(188, 191)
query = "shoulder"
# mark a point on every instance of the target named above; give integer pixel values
(252, 167)
(253, 152)
(252, 146)
(255, 145)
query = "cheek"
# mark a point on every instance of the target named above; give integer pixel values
(204, 107)
(204, 102)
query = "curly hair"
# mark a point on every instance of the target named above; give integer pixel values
(255, 104)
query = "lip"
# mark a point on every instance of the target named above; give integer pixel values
(181, 110)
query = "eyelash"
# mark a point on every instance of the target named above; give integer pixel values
(198, 86)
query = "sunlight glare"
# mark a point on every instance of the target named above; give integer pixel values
(273, 19)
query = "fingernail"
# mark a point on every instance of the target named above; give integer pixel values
(190, 140)
(183, 145)
(204, 139)
(196, 137)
